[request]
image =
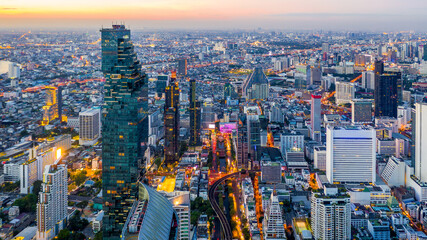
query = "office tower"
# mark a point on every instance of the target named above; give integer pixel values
(122, 127)
(195, 115)
(345, 92)
(161, 84)
(316, 119)
(182, 67)
(331, 215)
(425, 52)
(273, 221)
(254, 136)
(53, 202)
(314, 76)
(53, 106)
(256, 85)
(350, 154)
(171, 121)
(386, 91)
(361, 111)
(325, 47)
(242, 142)
(368, 80)
(90, 126)
(421, 141)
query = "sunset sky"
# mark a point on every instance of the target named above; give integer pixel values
(377, 15)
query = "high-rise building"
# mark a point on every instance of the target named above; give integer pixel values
(316, 118)
(254, 136)
(53, 108)
(171, 121)
(368, 80)
(345, 92)
(195, 115)
(161, 84)
(181, 205)
(123, 127)
(256, 85)
(325, 47)
(242, 142)
(53, 202)
(90, 126)
(361, 111)
(421, 141)
(386, 91)
(350, 154)
(331, 215)
(273, 221)
(182, 67)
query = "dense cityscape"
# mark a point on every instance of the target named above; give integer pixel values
(234, 134)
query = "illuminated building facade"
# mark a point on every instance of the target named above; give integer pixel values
(171, 121)
(53, 108)
(53, 202)
(195, 116)
(123, 127)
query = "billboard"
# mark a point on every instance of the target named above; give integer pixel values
(227, 127)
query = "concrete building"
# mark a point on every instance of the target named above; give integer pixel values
(53, 202)
(345, 92)
(331, 215)
(273, 221)
(421, 142)
(316, 118)
(90, 126)
(320, 158)
(368, 80)
(181, 205)
(350, 154)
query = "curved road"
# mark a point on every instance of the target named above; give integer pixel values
(226, 228)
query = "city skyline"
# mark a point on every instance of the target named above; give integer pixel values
(186, 14)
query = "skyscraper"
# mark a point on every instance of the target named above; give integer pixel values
(123, 127)
(421, 141)
(345, 92)
(385, 92)
(182, 67)
(242, 142)
(195, 115)
(350, 154)
(331, 215)
(316, 118)
(53, 202)
(171, 121)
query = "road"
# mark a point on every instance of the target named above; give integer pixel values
(226, 228)
(225, 225)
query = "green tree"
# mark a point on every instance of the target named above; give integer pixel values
(37, 187)
(98, 236)
(64, 234)
(27, 203)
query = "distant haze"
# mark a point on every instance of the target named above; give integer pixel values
(361, 15)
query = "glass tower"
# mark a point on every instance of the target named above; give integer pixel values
(195, 116)
(171, 121)
(123, 116)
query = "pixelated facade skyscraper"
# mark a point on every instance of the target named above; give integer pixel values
(123, 126)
